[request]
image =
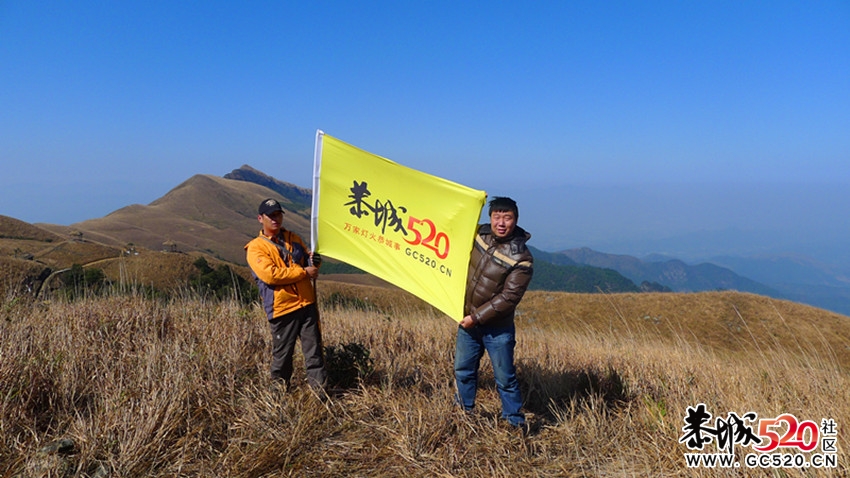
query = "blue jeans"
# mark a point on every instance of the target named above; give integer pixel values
(499, 344)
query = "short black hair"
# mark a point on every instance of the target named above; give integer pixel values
(502, 204)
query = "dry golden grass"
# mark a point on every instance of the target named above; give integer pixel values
(181, 388)
(161, 270)
(17, 276)
(11, 228)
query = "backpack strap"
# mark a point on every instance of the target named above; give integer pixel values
(284, 252)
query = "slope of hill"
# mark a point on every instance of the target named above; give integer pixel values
(11, 228)
(33, 260)
(205, 213)
(21, 276)
(30, 254)
(737, 322)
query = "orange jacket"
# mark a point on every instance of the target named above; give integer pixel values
(283, 282)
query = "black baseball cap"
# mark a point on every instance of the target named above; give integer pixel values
(269, 206)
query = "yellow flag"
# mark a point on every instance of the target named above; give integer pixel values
(412, 229)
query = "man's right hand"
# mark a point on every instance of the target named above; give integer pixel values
(315, 259)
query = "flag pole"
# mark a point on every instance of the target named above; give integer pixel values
(314, 207)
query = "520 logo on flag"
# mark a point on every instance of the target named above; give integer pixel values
(409, 228)
(435, 240)
(386, 214)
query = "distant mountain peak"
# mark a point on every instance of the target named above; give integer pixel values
(299, 196)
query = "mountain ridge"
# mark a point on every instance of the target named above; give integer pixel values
(216, 216)
(674, 273)
(298, 196)
(816, 285)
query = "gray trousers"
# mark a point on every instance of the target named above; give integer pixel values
(286, 329)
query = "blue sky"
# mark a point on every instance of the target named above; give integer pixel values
(105, 104)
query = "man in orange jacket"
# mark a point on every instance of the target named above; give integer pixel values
(284, 271)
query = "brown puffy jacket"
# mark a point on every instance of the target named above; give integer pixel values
(499, 274)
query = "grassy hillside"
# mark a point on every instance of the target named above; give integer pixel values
(205, 213)
(11, 228)
(29, 255)
(140, 387)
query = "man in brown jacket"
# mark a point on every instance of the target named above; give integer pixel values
(500, 269)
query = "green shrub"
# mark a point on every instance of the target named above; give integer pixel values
(78, 282)
(347, 364)
(221, 282)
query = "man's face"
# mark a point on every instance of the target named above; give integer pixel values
(502, 223)
(271, 222)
